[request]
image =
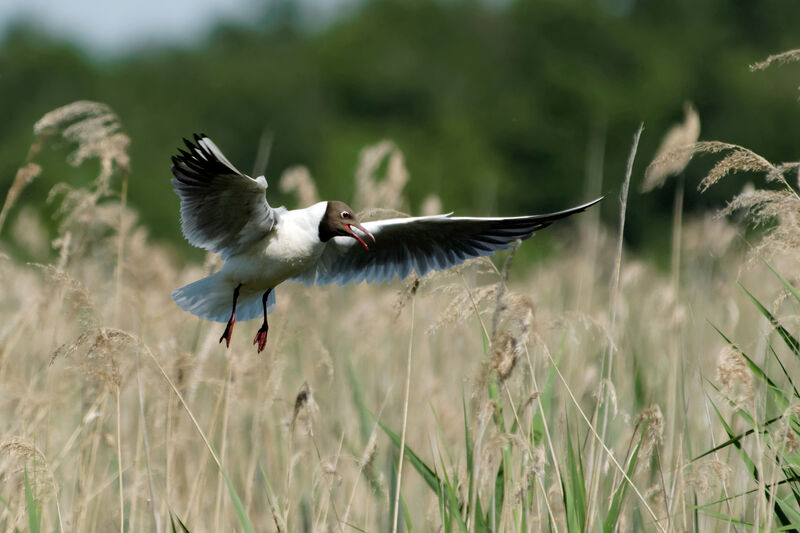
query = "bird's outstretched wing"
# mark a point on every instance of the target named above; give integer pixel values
(222, 210)
(422, 244)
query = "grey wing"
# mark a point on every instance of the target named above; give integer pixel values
(421, 244)
(222, 210)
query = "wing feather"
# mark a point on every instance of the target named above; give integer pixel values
(222, 209)
(421, 244)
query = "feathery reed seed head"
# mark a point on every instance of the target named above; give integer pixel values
(671, 158)
(735, 377)
(298, 180)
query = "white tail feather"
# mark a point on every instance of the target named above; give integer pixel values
(211, 298)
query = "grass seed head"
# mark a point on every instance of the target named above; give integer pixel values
(707, 477)
(779, 211)
(735, 377)
(305, 410)
(388, 192)
(503, 356)
(780, 59)
(25, 455)
(671, 158)
(654, 429)
(298, 180)
(786, 435)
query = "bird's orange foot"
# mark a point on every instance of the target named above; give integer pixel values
(228, 332)
(261, 337)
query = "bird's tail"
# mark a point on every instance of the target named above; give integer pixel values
(212, 297)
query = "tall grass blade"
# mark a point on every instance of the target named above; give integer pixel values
(241, 513)
(178, 527)
(780, 397)
(277, 512)
(783, 369)
(364, 416)
(791, 288)
(480, 522)
(454, 508)
(735, 439)
(574, 488)
(419, 465)
(787, 337)
(34, 514)
(544, 400)
(406, 515)
(499, 494)
(612, 518)
(751, 466)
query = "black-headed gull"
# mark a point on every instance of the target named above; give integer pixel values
(226, 211)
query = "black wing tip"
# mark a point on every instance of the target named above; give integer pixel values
(596, 201)
(198, 160)
(578, 208)
(191, 145)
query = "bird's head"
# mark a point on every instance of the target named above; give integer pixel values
(339, 220)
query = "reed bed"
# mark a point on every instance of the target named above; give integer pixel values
(594, 392)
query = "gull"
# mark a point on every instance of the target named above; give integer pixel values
(226, 211)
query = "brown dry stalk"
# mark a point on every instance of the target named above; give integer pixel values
(25, 175)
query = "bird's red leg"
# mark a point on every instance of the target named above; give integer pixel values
(232, 320)
(261, 336)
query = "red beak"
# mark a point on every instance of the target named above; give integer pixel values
(355, 235)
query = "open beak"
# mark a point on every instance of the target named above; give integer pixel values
(362, 230)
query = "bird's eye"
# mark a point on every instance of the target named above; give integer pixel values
(345, 214)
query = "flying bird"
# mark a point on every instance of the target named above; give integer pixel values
(226, 211)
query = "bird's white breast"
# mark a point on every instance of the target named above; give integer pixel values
(291, 247)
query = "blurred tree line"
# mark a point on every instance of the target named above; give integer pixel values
(498, 107)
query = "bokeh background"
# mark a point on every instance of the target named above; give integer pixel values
(499, 107)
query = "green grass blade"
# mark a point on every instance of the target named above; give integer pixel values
(442, 440)
(789, 510)
(544, 400)
(241, 514)
(792, 479)
(787, 337)
(34, 518)
(480, 523)
(783, 369)
(406, 514)
(751, 466)
(574, 488)
(419, 465)
(779, 513)
(454, 508)
(499, 494)
(180, 527)
(735, 439)
(364, 415)
(277, 512)
(785, 282)
(467, 438)
(612, 518)
(780, 397)
(494, 395)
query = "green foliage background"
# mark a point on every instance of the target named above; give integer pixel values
(494, 106)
